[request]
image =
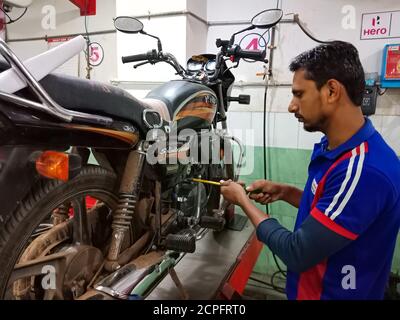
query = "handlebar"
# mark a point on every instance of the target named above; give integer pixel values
(153, 57)
(150, 55)
(238, 53)
(235, 52)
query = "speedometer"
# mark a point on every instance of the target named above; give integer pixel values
(210, 66)
(194, 66)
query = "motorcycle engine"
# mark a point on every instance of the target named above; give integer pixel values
(187, 199)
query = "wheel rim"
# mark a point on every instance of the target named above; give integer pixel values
(44, 227)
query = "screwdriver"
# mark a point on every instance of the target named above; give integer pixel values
(216, 183)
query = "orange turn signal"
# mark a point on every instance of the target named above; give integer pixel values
(53, 165)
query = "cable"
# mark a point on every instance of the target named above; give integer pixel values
(381, 93)
(87, 53)
(266, 42)
(265, 137)
(86, 27)
(265, 160)
(11, 20)
(272, 285)
(297, 20)
(284, 273)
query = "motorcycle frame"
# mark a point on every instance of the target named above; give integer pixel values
(50, 122)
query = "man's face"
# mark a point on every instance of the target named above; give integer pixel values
(307, 102)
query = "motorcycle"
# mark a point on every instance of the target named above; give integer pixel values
(111, 230)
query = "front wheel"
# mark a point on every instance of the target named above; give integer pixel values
(53, 219)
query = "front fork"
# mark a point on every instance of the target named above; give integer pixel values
(128, 197)
(225, 136)
(221, 110)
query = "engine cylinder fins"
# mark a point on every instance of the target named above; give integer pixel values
(185, 241)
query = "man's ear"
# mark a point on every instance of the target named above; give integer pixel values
(334, 89)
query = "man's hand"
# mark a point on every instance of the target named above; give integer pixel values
(233, 192)
(268, 191)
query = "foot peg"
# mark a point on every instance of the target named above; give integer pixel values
(216, 223)
(185, 241)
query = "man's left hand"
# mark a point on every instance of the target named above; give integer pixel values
(233, 192)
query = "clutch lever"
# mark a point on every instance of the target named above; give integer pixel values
(140, 64)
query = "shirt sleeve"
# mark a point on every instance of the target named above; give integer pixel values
(353, 196)
(297, 249)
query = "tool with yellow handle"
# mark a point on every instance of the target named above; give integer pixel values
(216, 183)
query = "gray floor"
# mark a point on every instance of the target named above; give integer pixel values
(202, 272)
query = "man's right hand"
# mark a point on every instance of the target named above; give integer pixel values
(268, 191)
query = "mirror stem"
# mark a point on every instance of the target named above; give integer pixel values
(232, 41)
(158, 40)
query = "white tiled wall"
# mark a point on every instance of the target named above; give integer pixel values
(282, 130)
(306, 140)
(377, 121)
(391, 132)
(286, 131)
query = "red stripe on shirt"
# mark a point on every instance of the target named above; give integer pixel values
(321, 184)
(332, 225)
(310, 282)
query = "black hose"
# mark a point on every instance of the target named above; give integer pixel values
(297, 20)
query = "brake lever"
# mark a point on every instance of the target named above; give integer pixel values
(140, 64)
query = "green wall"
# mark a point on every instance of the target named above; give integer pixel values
(287, 166)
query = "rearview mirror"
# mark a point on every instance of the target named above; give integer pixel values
(128, 24)
(267, 18)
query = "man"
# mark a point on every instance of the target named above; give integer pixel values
(349, 212)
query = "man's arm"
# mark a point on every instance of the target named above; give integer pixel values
(296, 249)
(292, 195)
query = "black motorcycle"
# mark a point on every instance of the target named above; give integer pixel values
(70, 229)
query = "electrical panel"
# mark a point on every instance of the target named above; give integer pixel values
(390, 73)
(368, 105)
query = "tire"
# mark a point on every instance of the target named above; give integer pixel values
(45, 196)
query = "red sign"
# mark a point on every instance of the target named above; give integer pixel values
(86, 7)
(380, 25)
(59, 39)
(393, 62)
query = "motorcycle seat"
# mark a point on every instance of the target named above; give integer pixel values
(97, 98)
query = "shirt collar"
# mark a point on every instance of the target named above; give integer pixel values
(366, 131)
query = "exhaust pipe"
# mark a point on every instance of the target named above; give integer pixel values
(137, 279)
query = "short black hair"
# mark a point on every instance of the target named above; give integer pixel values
(337, 60)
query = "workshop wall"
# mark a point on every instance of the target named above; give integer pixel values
(288, 145)
(39, 23)
(181, 34)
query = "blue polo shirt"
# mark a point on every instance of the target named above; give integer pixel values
(348, 221)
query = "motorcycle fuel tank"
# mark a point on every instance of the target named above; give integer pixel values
(191, 104)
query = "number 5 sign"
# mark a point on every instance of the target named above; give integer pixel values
(96, 54)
